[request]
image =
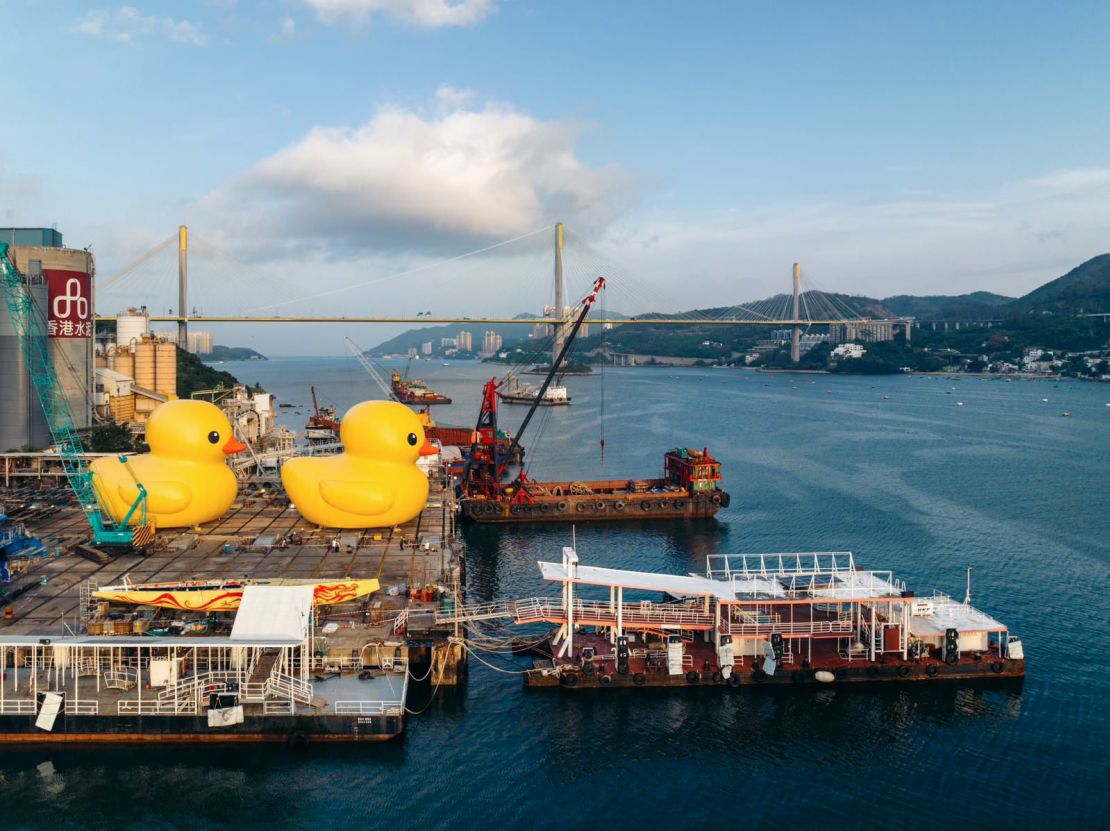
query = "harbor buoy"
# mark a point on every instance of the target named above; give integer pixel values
(824, 676)
(1065, 414)
(959, 403)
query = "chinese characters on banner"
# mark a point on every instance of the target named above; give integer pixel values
(69, 294)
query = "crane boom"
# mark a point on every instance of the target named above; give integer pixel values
(356, 350)
(28, 322)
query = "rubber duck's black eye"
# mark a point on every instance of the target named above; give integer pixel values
(214, 437)
(412, 439)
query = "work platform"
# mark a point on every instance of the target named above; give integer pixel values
(345, 678)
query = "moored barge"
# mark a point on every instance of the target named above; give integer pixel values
(270, 679)
(415, 392)
(762, 620)
(690, 488)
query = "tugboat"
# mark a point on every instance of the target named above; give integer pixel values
(689, 489)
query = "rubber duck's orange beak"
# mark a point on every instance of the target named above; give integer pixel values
(428, 449)
(234, 446)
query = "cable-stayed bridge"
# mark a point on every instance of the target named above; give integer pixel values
(186, 279)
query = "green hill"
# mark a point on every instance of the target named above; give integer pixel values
(979, 305)
(1083, 290)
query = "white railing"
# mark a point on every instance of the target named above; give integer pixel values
(14, 707)
(368, 708)
(286, 686)
(82, 708)
(277, 707)
(151, 707)
(659, 614)
(803, 628)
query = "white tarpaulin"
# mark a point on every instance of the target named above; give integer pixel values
(226, 716)
(273, 612)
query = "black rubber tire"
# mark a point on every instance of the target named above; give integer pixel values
(638, 679)
(605, 680)
(588, 668)
(622, 668)
(758, 675)
(581, 506)
(903, 671)
(365, 675)
(931, 670)
(997, 667)
(298, 739)
(734, 680)
(692, 677)
(679, 504)
(726, 499)
(716, 499)
(568, 679)
(599, 505)
(717, 677)
(645, 506)
(951, 659)
(618, 506)
(562, 506)
(514, 510)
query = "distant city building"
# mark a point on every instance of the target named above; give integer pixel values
(200, 343)
(465, 342)
(873, 332)
(849, 350)
(447, 343)
(491, 343)
(426, 348)
(412, 352)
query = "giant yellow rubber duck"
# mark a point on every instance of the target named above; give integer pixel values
(185, 474)
(375, 482)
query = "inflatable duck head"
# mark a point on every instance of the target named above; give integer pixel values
(192, 430)
(384, 431)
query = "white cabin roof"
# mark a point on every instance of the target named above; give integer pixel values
(273, 612)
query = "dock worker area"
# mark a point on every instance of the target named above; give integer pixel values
(264, 628)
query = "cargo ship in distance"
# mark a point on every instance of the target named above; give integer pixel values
(415, 392)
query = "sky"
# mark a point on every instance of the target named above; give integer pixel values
(696, 150)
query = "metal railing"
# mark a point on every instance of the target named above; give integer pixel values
(537, 609)
(82, 708)
(12, 707)
(369, 708)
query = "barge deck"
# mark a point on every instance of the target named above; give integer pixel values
(344, 677)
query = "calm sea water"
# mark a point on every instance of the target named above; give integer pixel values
(911, 482)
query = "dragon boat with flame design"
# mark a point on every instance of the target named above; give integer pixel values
(225, 595)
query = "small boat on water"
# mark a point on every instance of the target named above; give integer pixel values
(225, 595)
(524, 393)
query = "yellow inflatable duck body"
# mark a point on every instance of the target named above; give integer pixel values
(185, 474)
(375, 482)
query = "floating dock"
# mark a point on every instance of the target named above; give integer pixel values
(277, 669)
(770, 619)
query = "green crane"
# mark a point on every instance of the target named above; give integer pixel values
(31, 331)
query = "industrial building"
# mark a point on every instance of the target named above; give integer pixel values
(873, 331)
(135, 372)
(62, 287)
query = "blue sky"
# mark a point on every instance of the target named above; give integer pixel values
(891, 148)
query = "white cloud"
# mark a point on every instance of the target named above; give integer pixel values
(1077, 179)
(410, 179)
(428, 14)
(127, 24)
(287, 29)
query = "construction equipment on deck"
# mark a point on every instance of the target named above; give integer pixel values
(30, 327)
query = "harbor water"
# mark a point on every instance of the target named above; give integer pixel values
(923, 475)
